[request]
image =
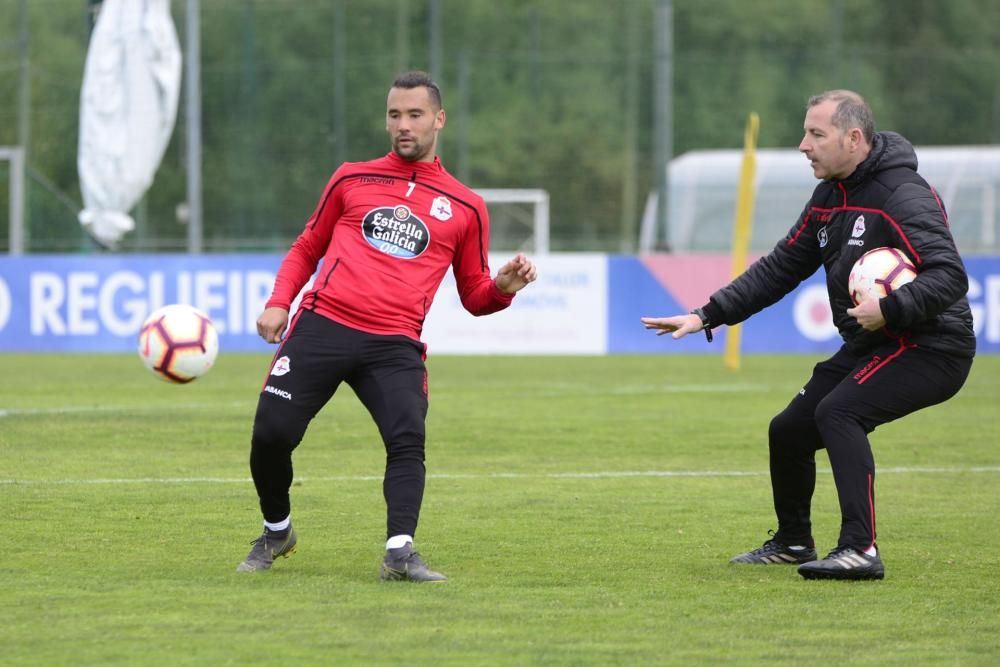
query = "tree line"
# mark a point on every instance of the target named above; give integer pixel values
(553, 94)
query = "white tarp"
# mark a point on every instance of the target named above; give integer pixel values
(128, 105)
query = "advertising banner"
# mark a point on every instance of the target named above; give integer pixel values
(801, 322)
(581, 304)
(98, 303)
(67, 303)
(563, 312)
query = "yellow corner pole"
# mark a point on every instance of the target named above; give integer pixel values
(742, 229)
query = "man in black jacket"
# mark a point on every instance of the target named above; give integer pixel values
(901, 353)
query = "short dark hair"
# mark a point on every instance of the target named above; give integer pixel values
(416, 79)
(852, 111)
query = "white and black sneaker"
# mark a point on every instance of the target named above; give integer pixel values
(774, 552)
(844, 563)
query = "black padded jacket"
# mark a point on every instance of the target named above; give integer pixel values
(885, 202)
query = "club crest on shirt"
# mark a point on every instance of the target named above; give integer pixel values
(283, 366)
(396, 231)
(823, 238)
(859, 227)
(441, 208)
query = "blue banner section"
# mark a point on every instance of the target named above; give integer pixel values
(799, 323)
(77, 303)
(65, 303)
(634, 292)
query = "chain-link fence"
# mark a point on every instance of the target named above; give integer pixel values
(556, 95)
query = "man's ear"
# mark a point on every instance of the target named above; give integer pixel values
(856, 137)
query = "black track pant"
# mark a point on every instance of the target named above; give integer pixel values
(844, 400)
(389, 377)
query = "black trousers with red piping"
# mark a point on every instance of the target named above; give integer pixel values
(846, 398)
(389, 377)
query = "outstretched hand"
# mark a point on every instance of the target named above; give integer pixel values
(678, 325)
(516, 274)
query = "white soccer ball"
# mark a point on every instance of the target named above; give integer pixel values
(178, 343)
(878, 273)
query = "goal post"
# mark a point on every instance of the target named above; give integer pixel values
(536, 199)
(15, 231)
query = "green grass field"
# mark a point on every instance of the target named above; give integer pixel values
(585, 509)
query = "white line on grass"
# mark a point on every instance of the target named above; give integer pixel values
(577, 389)
(606, 474)
(138, 409)
(548, 390)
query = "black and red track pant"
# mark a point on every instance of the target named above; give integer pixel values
(389, 377)
(846, 398)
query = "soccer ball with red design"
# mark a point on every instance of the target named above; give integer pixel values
(879, 273)
(178, 343)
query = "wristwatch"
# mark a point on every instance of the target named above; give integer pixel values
(705, 324)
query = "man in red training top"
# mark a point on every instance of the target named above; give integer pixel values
(386, 230)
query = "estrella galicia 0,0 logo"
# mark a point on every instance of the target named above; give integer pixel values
(395, 231)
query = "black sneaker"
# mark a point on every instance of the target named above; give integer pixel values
(844, 563)
(267, 547)
(406, 564)
(774, 552)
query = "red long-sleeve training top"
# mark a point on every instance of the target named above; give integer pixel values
(387, 230)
